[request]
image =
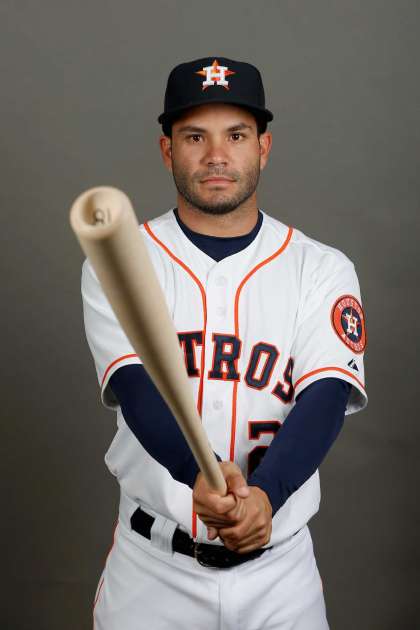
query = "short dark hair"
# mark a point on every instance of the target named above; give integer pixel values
(260, 120)
(261, 124)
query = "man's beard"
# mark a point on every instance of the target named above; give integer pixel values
(224, 201)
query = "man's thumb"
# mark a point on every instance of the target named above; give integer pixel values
(237, 484)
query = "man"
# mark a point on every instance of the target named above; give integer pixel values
(273, 334)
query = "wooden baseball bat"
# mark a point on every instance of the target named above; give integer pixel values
(106, 227)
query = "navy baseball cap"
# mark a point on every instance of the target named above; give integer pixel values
(214, 80)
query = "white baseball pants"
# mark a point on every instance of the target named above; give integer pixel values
(143, 586)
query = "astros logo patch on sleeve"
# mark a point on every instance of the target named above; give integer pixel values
(348, 321)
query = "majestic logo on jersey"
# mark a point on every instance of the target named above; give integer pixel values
(352, 363)
(348, 321)
(215, 75)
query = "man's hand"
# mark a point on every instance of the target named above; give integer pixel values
(242, 518)
(254, 529)
(214, 509)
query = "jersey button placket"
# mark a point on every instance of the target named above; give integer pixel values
(217, 296)
(216, 322)
(220, 310)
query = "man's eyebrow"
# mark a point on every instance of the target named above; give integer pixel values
(239, 127)
(193, 129)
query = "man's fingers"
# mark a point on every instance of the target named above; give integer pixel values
(212, 533)
(253, 539)
(237, 485)
(246, 531)
(235, 481)
(256, 541)
(210, 521)
(238, 513)
(250, 524)
(208, 501)
(251, 547)
(242, 492)
(237, 532)
(222, 520)
(216, 505)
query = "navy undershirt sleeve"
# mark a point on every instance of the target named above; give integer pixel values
(152, 422)
(303, 440)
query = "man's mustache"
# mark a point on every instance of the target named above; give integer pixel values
(217, 173)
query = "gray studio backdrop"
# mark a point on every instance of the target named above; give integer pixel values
(82, 85)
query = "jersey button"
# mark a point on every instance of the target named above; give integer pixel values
(221, 281)
(217, 404)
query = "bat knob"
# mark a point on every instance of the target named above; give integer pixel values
(97, 207)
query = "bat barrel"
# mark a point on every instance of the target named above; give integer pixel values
(108, 232)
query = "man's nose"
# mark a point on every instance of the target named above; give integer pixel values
(216, 153)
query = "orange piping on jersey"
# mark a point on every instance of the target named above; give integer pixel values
(238, 291)
(102, 580)
(99, 592)
(329, 369)
(126, 356)
(204, 300)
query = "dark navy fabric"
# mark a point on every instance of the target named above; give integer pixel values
(303, 440)
(153, 423)
(219, 247)
(297, 449)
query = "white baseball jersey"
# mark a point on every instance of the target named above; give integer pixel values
(256, 328)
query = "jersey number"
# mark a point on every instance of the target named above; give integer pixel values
(255, 429)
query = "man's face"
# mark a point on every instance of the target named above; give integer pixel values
(210, 142)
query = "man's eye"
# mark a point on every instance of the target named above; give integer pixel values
(195, 137)
(236, 136)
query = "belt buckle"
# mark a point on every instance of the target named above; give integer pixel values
(198, 553)
(218, 557)
(202, 556)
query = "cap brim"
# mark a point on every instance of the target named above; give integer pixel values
(169, 115)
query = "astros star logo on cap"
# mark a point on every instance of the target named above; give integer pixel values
(215, 75)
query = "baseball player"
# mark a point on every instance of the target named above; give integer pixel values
(273, 333)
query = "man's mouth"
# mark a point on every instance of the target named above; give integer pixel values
(216, 179)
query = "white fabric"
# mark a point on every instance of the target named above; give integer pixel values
(161, 533)
(315, 343)
(278, 292)
(143, 587)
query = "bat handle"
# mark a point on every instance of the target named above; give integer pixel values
(214, 476)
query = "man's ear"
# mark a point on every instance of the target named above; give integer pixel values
(265, 141)
(165, 143)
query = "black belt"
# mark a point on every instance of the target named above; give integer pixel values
(207, 555)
